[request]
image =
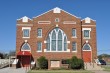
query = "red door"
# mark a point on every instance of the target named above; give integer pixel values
(25, 61)
(87, 56)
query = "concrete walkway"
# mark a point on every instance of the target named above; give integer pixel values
(13, 70)
(100, 71)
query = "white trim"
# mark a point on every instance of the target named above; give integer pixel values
(68, 50)
(41, 47)
(89, 29)
(73, 37)
(24, 24)
(25, 41)
(90, 19)
(52, 10)
(41, 33)
(75, 33)
(28, 28)
(56, 10)
(56, 33)
(69, 22)
(28, 45)
(86, 29)
(45, 41)
(72, 47)
(24, 16)
(68, 42)
(56, 25)
(89, 25)
(86, 50)
(44, 22)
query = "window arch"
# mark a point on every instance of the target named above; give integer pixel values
(25, 47)
(87, 47)
(56, 40)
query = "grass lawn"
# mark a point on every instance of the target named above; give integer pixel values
(106, 68)
(60, 71)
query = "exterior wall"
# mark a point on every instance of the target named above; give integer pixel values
(92, 41)
(46, 28)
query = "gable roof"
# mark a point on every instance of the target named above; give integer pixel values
(56, 8)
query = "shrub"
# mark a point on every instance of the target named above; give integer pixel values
(76, 63)
(42, 62)
(81, 62)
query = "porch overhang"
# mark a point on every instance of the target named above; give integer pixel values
(24, 53)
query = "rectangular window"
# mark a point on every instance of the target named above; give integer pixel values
(26, 32)
(39, 32)
(74, 46)
(39, 46)
(73, 32)
(86, 34)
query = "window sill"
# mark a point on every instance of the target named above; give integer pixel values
(39, 51)
(26, 37)
(86, 50)
(73, 37)
(86, 38)
(74, 51)
(39, 37)
(68, 50)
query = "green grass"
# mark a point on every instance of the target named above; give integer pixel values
(106, 68)
(60, 71)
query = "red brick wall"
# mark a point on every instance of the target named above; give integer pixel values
(46, 28)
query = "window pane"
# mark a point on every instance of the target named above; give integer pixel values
(65, 44)
(26, 33)
(53, 35)
(25, 47)
(86, 47)
(39, 45)
(59, 35)
(53, 45)
(48, 44)
(39, 32)
(59, 45)
(74, 32)
(74, 46)
(86, 33)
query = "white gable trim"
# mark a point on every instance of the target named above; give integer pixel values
(90, 19)
(53, 9)
(23, 17)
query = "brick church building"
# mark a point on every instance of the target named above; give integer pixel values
(57, 35)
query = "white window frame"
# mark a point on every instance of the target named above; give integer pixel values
(72, 47)
(63, 35)
(86, 50)
(28, 45)
(75, 33)
(89, 29)
(27, 28)
(41, 47)
(41, 32)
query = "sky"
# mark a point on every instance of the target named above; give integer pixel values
(11, 10)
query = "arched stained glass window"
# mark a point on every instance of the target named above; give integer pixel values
(86, 47)
(55, 40)
(25, 47)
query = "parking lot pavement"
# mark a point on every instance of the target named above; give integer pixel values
(13, 70)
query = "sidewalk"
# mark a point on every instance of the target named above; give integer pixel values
(12, 70)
